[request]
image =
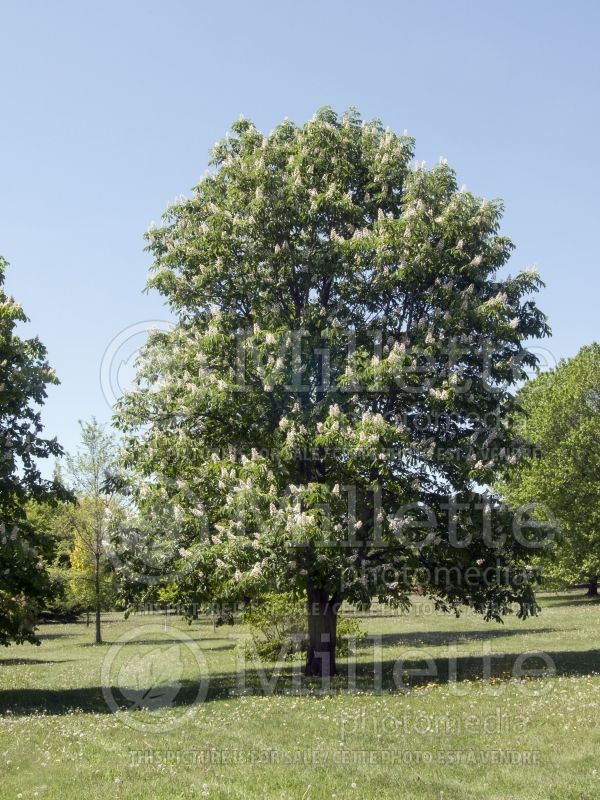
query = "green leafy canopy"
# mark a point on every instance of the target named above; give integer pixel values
(560, 415)
(24, 376)
(336, 391)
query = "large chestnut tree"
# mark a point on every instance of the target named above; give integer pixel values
(335, 395)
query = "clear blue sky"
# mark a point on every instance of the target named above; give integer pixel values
(108, 111)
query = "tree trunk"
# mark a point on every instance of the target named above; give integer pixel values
(593, 587)
(322, 622)
(97, 587)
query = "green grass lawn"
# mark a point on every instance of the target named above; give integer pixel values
(455, 732)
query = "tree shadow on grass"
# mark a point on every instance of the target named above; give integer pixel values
(572, 600)
(437, 638)
(384, 677)
(528, 665)
(166, 641)
(18, 662)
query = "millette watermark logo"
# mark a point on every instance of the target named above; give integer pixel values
(154, 677)
(117, 368)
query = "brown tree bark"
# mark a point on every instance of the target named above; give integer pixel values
(322, 625)
(593, 587)
(97, 598)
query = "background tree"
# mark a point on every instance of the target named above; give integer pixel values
(335, 391)
(91, 579)
(561, 417)
(24, 376)
(90, 470)
(50, 519)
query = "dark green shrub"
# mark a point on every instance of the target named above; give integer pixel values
(279, 628)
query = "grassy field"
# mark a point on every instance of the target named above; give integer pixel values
(471, 726)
